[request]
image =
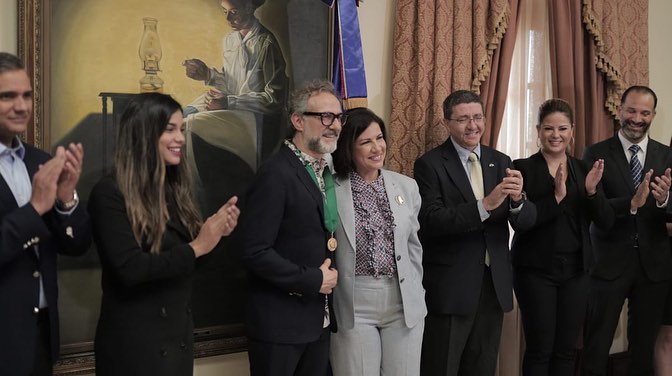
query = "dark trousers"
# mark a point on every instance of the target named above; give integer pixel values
(553, 306)
(279, 359)
(464, 345)
(645, 309)
(42, 364)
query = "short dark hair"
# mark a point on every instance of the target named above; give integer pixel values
(9, 62)
(640, 89)
(358, 120)
(552, 106)
(459, 97)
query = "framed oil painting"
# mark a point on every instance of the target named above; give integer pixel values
(87, 59)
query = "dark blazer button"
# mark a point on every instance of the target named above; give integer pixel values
(402, 280)
(164, 352)
(183, 345)
(36, 274)
(398, 258)
(164, 313)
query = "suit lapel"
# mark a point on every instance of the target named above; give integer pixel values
(397, 203)
(31, 162)
(346, 209)
(489, 167)
(455, 170)
(305, 179)
(7, 199)
(653, 158)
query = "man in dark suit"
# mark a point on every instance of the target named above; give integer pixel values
(32, 230)
(632, 257)
(466, 203)
(288, 229)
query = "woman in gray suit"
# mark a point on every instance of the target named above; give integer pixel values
(379, 299)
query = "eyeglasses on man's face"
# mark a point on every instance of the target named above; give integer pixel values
(328, 118)
(463, 120)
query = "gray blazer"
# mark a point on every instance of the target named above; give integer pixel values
(404, 198)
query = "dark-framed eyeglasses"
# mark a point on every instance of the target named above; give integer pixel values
(477, 119)
(328, 118)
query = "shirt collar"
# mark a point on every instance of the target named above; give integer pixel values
(17, 148)
(358, 183)
(464, 153)
(254, 30)
(307, 158)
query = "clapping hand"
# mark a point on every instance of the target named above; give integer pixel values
(660, 187)
(220, 224)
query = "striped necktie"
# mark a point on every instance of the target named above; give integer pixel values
(635, 166)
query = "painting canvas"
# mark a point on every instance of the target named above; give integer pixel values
(86, 62)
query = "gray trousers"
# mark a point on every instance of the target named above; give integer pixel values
(380, 343)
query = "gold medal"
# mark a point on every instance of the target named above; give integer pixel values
(332, 244)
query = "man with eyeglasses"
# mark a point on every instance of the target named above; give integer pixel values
(469, 192)
(288, 229)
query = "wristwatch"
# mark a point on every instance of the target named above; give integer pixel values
(65, 206)
(523, 197)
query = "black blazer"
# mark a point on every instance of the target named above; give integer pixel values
(22, 231)
(145, 325)
(454, 238)
(284, 244)
(613, 246)
(534, 247)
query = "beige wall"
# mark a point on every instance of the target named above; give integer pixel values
(660, 57)
(376, 19)
(377, 22)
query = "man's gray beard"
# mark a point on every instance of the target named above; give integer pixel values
(317, 146)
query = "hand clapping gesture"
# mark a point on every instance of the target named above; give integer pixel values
(594, 176)
(660, 187)
(559, 182)
(511, 186)
(57, 179)
(639, 199)
(220, 224)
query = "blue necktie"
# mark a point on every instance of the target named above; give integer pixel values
(635, 166)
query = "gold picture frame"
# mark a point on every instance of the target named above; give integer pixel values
(306, 25)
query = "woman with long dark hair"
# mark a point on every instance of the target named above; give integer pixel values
(149, 234)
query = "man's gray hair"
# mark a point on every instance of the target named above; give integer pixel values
(299, 99)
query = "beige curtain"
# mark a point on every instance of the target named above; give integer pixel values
(598, 49)
(620, 32)
(495, 87)
(440, 46)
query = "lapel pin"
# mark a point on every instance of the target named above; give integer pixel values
(491, 165)
(69, 232)
(399, 200)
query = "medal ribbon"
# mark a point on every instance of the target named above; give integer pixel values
(330, 209)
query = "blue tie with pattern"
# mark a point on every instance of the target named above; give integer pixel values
(635, 166)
